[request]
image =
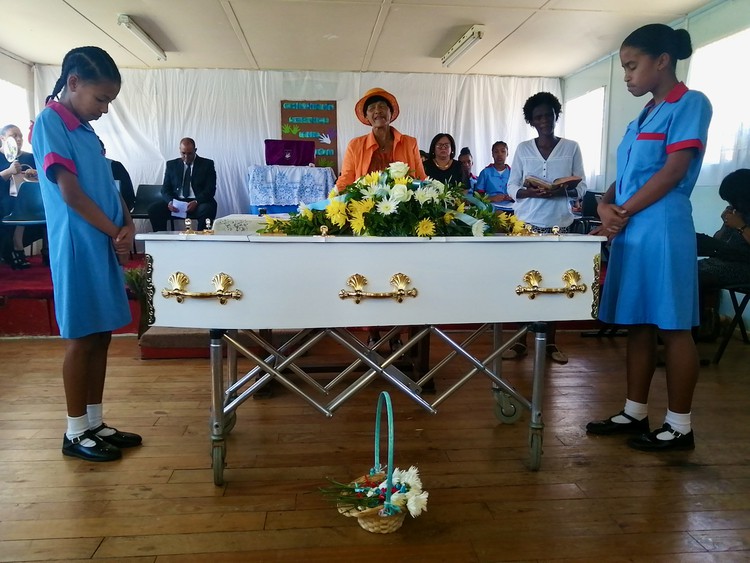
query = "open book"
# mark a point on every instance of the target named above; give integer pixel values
(567, 182)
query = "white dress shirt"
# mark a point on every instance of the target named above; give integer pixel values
(564, 160)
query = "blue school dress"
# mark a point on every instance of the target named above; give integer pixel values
(88, 282)
(652, 275)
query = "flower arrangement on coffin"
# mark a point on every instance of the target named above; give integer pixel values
(368, 497)
(392, 203)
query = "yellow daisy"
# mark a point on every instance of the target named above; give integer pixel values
(357, 223)
(426, 228)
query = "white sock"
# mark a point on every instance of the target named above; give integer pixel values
(680, 422)
(638, 411)
(95, 419)
(77, 426)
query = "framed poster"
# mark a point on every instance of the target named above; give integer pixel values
(313, 120)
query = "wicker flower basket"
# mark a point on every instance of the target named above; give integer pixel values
(386, 518)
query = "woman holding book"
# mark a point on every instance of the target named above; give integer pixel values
(652, 275)
(547, 157)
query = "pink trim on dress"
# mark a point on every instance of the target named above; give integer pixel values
(54, 158)
(688, 144)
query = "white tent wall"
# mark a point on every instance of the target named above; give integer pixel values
(230, 112)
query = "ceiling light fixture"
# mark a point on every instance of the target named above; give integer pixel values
(466, 42)
(127, 22)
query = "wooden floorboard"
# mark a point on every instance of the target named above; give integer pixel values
(593, 500)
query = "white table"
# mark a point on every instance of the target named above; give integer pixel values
(285, 186)
(312, 283)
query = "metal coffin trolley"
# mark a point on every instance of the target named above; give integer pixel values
(232, 282)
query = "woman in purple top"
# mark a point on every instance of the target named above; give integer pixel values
(651, 284)
(89, 226)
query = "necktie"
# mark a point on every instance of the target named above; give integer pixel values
(186, 183)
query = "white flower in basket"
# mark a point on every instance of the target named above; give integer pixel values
(381, 499)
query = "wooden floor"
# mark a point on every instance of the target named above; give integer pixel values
(593, 499)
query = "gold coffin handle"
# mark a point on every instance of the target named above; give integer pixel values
(357, 282)
(533, 280)
(222, 282)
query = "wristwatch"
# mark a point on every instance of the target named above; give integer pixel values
(742, 228)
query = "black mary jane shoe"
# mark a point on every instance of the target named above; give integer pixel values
(651, 443)
(118, 439)
(100, 451)
(607, 427)
(18, 260)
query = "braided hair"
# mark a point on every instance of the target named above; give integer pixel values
(91, 64)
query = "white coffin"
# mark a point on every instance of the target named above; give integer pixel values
(295, 282)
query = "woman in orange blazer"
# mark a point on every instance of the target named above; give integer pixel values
(383, 145)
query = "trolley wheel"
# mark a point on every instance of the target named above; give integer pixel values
(218, 453)
(535, 450)
(507, 409)
(229, 422)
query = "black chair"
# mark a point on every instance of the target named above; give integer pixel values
(29, 208)
(589, 217)
(739, 309)
(145, 195)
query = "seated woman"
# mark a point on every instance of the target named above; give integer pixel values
(493, 180)
(12, 238)
(728, 252)
(441, 165)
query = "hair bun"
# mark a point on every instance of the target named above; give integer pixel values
(683, 47)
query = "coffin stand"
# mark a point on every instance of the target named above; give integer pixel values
(233, 282)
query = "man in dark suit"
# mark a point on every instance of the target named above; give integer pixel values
(189, 178)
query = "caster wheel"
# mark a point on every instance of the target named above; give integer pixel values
(535, 450)
(218, 453)
(229, 422)
(507, 409)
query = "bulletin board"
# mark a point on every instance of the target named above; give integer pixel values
(313, 120)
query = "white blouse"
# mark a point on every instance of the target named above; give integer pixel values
(564, 160)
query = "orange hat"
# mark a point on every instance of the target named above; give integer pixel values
(360, 109)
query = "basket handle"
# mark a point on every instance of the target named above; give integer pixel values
(385, 400)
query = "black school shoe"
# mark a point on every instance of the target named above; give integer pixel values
(650, 443)
(118, 439)
(607, 427)
(100, 451)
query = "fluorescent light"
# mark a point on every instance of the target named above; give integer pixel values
(466, 42)
(127, 22)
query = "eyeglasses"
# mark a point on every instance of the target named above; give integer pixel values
(443, 146)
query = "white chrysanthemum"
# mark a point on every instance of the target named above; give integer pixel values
(398, 169)
(396, 478)
(425, 195)
(399, 499)
(478, 228)
(369, 192)
(400, 193)
(387, 206)
(438, 185)
(411, 478)
(417, 504)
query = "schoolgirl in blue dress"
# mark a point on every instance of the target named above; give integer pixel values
(493, 180)
(89, 226)
(651, 284)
